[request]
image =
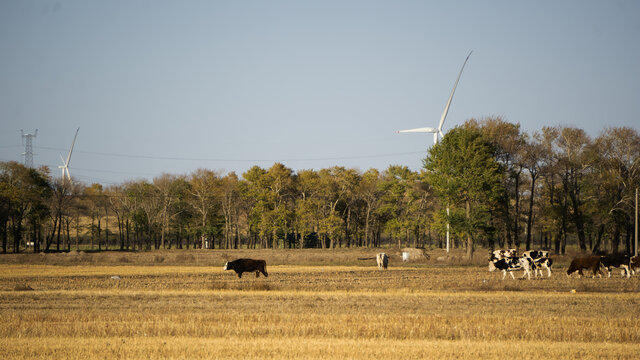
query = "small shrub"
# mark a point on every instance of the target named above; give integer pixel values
(158, 258)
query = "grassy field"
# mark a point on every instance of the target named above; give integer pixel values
(314, 304)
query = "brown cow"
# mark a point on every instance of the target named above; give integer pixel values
(580, 263)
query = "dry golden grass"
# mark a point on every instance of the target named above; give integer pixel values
(303, 311)
(304, 348)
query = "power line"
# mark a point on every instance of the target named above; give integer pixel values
(133, 156)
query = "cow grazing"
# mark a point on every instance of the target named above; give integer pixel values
(581, 263)
(541, 260)
(618, 261)
(383, 261)
(247, 265)
(512, 264)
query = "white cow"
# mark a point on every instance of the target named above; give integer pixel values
(383, 261)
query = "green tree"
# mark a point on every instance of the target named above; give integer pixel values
(203, 199)
(25, 193)
(464, 173)
(307, 205)
(617, 175)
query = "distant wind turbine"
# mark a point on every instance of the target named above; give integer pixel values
(65, 164)
(438, 131)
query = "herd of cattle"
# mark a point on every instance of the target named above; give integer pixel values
(536, 260)
(506, 261)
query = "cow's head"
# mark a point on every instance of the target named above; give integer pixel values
(226, 266)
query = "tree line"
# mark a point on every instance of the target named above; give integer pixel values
(488, 181)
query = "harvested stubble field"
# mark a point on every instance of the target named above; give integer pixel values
(324, 305)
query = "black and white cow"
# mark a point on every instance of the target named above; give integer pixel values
(541, 260)
(618, 261)
(503, 254)
(383, 261)
(511, 264)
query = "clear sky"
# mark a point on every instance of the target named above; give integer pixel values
(172, 86)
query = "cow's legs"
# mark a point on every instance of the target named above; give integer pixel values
(626, 269)
(257, 274)
(511, 273)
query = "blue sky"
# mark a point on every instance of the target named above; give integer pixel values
(172, 86)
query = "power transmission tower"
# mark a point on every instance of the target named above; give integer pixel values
(28, 147)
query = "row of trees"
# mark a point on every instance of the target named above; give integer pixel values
(502, 187)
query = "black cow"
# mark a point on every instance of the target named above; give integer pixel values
(247, 265)
(617, 260)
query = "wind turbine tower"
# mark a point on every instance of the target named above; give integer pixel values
(438, 131)
(65, 164)
(28, 147)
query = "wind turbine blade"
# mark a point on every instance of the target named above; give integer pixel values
(446, 108)
(71, 150)
(420, 130)
(63, 163)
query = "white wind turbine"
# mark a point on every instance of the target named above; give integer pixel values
(438, 131)
(65, 164)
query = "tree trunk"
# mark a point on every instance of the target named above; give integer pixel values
(596, 246)
(5, 238)
(516, 222)
(577, 216)
(77, 232)
(470, 244)
(92, 229)
(530, 214)
(59, 231)
(615, 239)
(99, 234)
(106, 230)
